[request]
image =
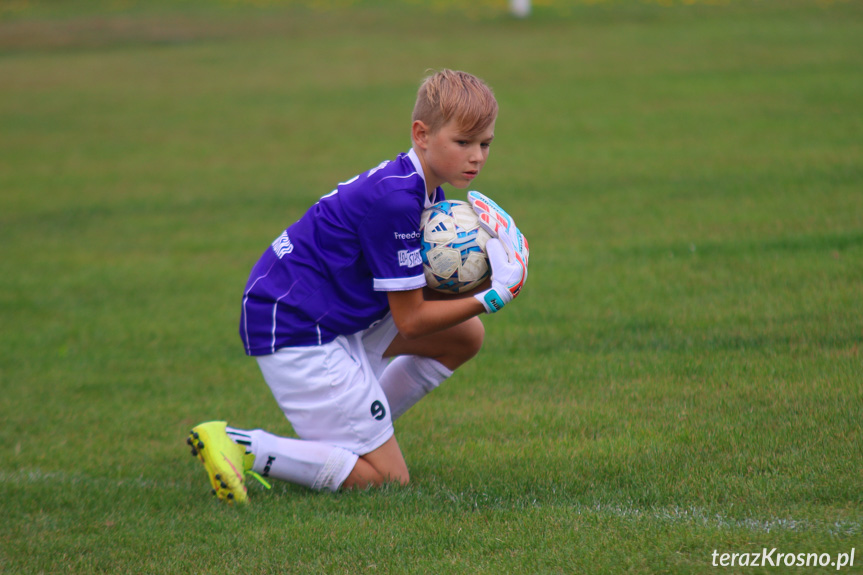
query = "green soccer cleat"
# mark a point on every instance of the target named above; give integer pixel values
(224, 460)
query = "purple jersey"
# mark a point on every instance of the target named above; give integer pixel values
(328, 273)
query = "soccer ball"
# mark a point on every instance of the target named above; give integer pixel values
(453, 247)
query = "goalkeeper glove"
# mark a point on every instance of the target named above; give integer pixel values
(508, 253)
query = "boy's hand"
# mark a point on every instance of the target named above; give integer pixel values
(508, 253)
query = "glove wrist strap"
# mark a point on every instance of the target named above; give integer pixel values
(491, 300)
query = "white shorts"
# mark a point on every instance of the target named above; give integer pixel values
(330, 393)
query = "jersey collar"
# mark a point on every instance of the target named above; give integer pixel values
(419, 168)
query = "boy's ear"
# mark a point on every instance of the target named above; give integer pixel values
(420, 133)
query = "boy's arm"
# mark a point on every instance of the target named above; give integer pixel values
(416, 316)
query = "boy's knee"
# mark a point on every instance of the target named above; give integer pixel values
(463, 344)
(364, 476)
(474, 336)
(401, 479)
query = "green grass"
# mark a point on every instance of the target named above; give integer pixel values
(682, 373)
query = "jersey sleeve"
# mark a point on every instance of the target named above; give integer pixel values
(390, 241)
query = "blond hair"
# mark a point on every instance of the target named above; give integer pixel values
(452, 95)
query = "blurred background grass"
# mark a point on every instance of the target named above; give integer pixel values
(682, 373)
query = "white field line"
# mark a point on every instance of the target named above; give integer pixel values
(685, 515)
(698, 516)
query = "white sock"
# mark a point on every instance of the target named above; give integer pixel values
(409, 378)
(312, 464)
(240, 436)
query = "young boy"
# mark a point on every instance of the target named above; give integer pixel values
(341, 291)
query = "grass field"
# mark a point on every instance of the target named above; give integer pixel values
(681, 376)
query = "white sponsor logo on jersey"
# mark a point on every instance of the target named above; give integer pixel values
(410, 259)
(408, 236)
(380, 166)
(283, 246)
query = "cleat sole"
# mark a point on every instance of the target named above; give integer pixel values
(224, 466)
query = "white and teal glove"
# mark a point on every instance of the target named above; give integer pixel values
(508, 253)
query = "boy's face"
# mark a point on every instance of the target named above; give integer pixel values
(451, 156)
